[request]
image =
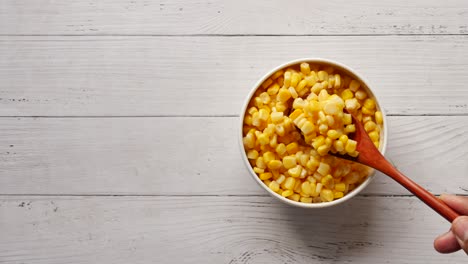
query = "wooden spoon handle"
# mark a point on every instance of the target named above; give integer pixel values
(438, 205)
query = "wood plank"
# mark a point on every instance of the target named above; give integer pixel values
(217, 230)
(137, 17)
(102, 76)
(143, 156)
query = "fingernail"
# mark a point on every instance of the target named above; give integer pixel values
(460, 228)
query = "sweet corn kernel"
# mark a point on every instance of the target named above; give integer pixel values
(376, 144)
(374, 136)
(277, 74)
(369, 104)
(268, 156)
(294, 115)
(258, 170)
(354, 85)
(341, 187)
(338, 81)
(306, 199)
(367, 111)
(294, 197)
(252, 154)
(328, 181)
(283, 95)
(305, 68)
(338, 145)
(274, 186)
(347, 94)
(297, 186)
(322, 75)
(289, 183)
(289, 162)
(378, 117)
(337, 195)
(360, 94)
(347, 119)
(369, 126)
(306, 188)
(263, 114)
(281, 149)
(265, 176)
(352, 104)
(323, 168)
(323, 150)
(276, 117)
(274, 164)
(281, 179)
(350, 146)
(350, 129)
(292, 148)
(293, 92)
(295, 78)
(307, 128)
(333, 134)
(287, 193)
(326, 195)
(295, 172)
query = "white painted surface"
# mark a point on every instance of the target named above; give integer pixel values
(217, 230)
(104, 76)
(135, 157)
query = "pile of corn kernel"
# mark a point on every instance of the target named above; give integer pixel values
(295, 119)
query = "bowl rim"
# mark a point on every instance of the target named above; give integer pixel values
(371, 93)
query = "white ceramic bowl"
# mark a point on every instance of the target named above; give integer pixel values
(364, 84)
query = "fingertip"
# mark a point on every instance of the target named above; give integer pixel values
(446, 243)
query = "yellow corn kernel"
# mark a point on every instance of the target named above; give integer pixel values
(307, 128)
(306, 199)
(281, 179)
(328, 181)
(292, 147)
(267, 182)
(295, 78)
(326, 195)
(367, 111)
(268, 156)
(280, 107)
(258, 170)
(265, 97)
(289, 183)
(306, 188)
(331, 108)
(350, 129)
(347, 94)
(295, 172)
(322, 76)
(338, 145)
(274, 186)
(338, 81)
(347, 119)
(323, 150)
(303, 159)
(374, 136)
(351, 145)
(293, 92)
(338, 195)
(276, 117)
(323, 128)
(283, 95)
(252, 110)
(378, 117)
(294, 197)
(294, 115)
(281, 149)
(354, 85)
(263, 139)
(369, 126)
(265, 176)
(323, 95)
(340, 187)
(280, 130)
(287, 79)
(352, 104)
(328, 142)
(317, 88)
(277, 74)
(260, 163)
(302, 84)
(263, 114)
(344, 139)
(305, 68)
(333, 134)
(289, 162)
(323, 168)
(267, 83)
(287, 193)
(273, 89)
(369, 104)
(297, 186)
(252, 154)
(274, 164)
(361, 95)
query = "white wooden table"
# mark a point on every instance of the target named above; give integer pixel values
(119, 119)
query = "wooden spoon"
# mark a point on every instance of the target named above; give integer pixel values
(369, 155)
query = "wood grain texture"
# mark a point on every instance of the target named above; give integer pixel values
(195, 156)
(125, 76)
(137, 17)
(217, 230)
